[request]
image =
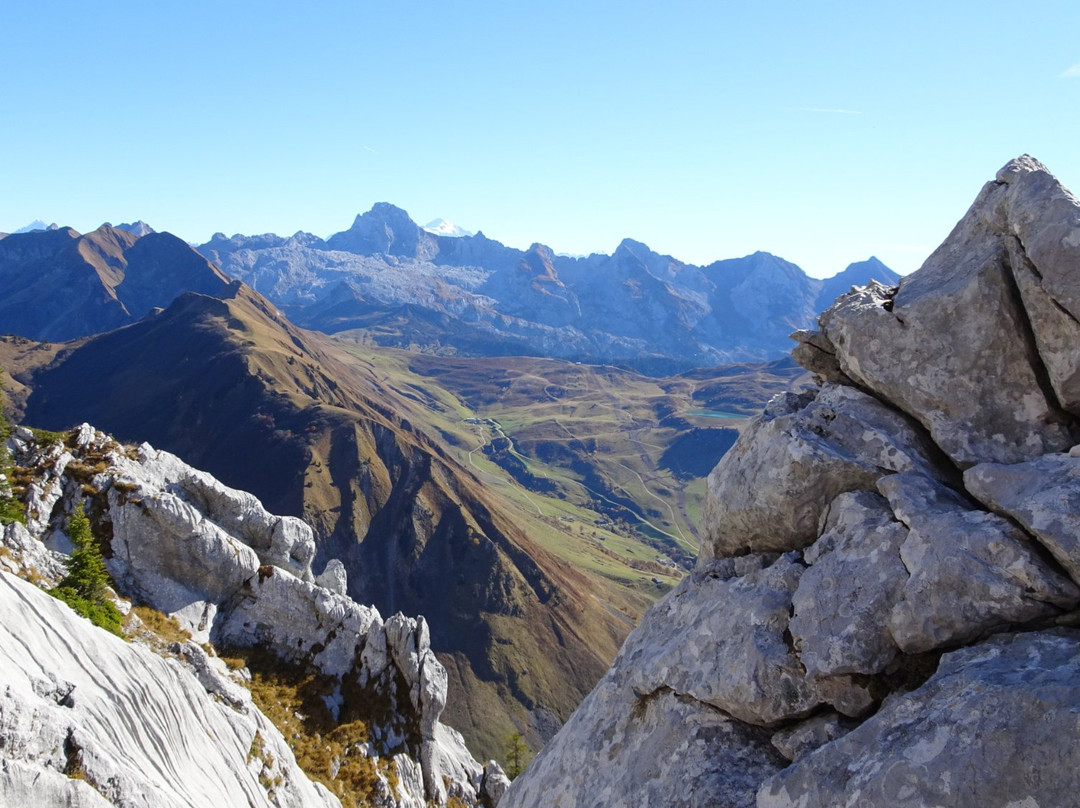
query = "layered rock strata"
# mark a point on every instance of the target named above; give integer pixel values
(883, 609)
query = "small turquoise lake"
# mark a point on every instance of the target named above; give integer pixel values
(716, 414)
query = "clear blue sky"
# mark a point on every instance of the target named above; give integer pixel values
(821, 132)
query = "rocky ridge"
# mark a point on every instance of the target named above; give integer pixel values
(471, 295)
(884, 611)
(59, 285)
(232, 574)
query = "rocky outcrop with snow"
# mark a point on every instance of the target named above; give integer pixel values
(885, 605)
(232, 574)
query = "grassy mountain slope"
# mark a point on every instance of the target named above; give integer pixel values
(233, 388)
(528, 508)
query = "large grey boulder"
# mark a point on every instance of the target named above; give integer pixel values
(621, 750)
(1043, 496)
(889, 564)
(995, 725)
(768, 491)
(953, 348)
(971, 572)
(841, 606)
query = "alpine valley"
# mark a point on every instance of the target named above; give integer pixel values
(510, 444)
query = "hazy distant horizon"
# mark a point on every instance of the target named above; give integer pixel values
(705, 130)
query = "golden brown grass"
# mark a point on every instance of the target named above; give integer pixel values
(291, 696)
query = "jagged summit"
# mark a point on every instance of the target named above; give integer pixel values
(137, 228)
(883, 612)
(385, 229)
(637, 307)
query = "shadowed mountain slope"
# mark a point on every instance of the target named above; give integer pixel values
(58, 285)
(232, 387)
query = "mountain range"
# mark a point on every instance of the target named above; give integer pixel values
(467, 294)
(437, 289)
(57, 284)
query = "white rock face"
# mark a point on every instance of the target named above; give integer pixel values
(234, 574)
(904, 650)
(141, 731)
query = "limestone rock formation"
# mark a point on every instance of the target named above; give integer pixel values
(883, 609)
(233, 574)
(75, 722)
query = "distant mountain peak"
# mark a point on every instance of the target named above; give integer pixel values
(37, 224)
(441, 227)
(138, 228)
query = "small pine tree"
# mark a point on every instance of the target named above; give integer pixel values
(517, 755)
(87, 575)
(11, 510)
(83, 589)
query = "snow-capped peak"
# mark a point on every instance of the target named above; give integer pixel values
(441, 227)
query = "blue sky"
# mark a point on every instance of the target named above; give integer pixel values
(821, 132)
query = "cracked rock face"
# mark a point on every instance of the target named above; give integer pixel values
(769, 490)
(905, 649)
(1013, 700)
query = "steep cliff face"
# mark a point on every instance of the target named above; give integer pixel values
(885, 605)
(231, 573)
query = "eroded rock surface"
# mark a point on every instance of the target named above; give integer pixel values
(994, 726)
(77, 701)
